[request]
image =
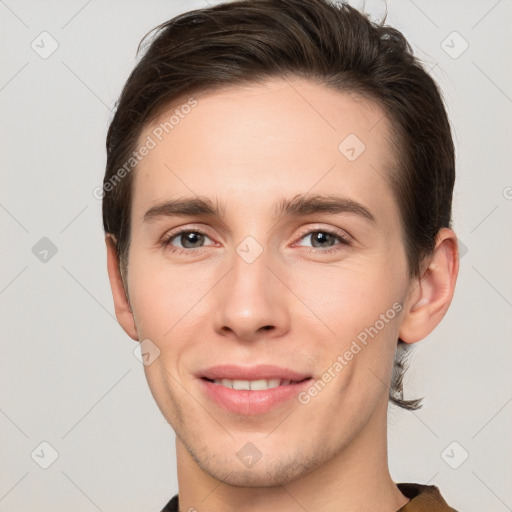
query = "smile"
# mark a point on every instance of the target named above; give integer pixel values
(252, 397)
(253, 385)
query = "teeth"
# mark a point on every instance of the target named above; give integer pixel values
(254, 385)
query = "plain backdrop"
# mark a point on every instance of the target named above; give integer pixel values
(68, 376)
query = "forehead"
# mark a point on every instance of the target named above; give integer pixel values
(247, 145)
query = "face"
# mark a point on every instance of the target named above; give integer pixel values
(268, 288)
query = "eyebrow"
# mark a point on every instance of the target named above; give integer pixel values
(300, 205)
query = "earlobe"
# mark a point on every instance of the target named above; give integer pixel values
(433, 292)
(122, 307)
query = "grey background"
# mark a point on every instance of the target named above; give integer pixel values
(68, 375)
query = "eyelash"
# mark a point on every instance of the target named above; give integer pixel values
(166, 242)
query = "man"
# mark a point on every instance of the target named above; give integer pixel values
(277, 213)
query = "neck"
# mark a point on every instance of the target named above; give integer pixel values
(355, 478)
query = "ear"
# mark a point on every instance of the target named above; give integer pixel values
(122, 307)
(432, 293)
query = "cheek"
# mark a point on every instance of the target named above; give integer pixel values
(350, 298)
(361, 305)
(161, 295)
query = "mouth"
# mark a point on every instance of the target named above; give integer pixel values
(254, 385)
(251, 391)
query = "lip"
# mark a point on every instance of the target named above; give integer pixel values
(261, 371)
(249, 402)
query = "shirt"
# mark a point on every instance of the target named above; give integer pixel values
(424, 498)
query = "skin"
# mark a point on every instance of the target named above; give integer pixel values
(248, 148)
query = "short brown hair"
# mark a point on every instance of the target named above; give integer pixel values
(249, 41)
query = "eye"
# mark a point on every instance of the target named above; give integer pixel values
(190, 240)
(322, 239)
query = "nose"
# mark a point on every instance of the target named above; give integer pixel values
(251, 302)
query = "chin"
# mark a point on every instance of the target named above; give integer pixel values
(254, 477)
(270, 474)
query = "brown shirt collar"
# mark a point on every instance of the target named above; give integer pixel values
(424, 498)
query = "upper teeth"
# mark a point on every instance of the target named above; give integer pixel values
(255, 385)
